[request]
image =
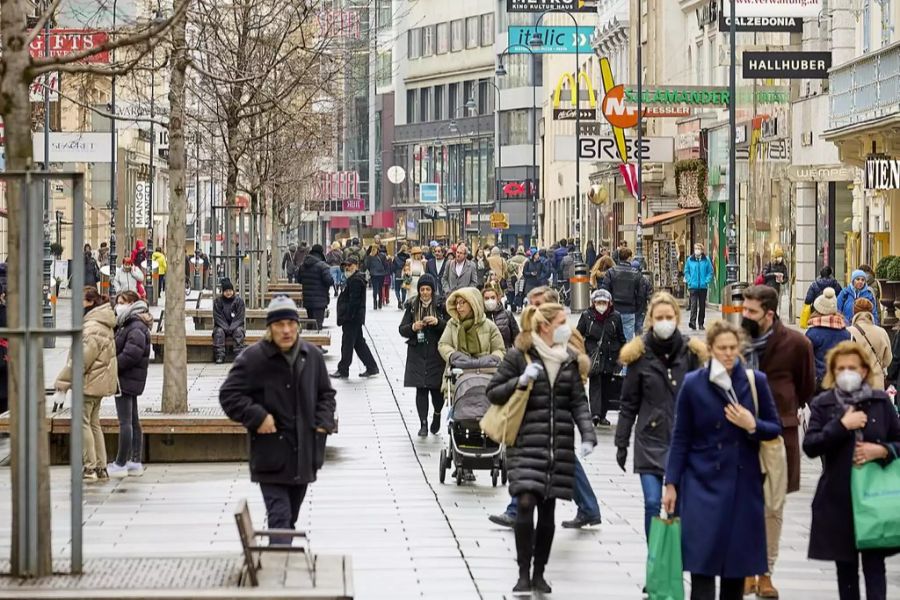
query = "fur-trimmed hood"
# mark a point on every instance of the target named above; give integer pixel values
(636, 348)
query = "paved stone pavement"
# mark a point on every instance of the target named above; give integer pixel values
(379, 499)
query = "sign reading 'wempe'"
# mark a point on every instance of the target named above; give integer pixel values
(786, 65)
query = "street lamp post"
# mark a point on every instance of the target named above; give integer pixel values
(472, 107)
(639, 227)
(197, 220)
(535, 41)
(731, 267)
(47, 308)
(112, 166)
(498, 203)
(501, 72)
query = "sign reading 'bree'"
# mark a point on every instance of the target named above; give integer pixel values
(786, 65)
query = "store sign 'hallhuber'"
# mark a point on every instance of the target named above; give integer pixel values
(525, 6)
(882, 173)
(786, 65)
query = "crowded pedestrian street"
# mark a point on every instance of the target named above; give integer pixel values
(379, 500)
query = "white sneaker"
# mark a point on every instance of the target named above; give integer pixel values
(116, 472)
(134, 469)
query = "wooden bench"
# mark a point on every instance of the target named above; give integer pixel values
(253, 550)
(285, 287)
(199, 344)
(297, 297)
(254, 318)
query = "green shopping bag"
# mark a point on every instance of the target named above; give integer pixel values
(664, 569)
(876, 505)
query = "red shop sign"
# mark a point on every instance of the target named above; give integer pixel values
(354, 204)
(63, 42)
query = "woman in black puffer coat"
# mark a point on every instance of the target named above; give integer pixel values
(604, 336)
(542, 460)
(502, 318)
(133, 322)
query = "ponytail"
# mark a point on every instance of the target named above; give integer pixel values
(532, 318)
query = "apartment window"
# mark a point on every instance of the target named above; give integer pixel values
(867, 25)
(383, 14)
(384, 69)
(425, 105)
(514, 130)
(443, 38)
(414, 43)
(439, 102)
(473, 32)
(457, 35)
(428, 40)
(487, 29)
(452, 100)
(886, 26)
(485, 97)
(412, 105)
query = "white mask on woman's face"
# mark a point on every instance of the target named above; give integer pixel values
(562, 334)
(664, 329)
(121, 309)
(718, 375)
(601, 307)
(490, 305)
(849, 381)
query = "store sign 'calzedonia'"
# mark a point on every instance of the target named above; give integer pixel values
(882, 173)
(762, 24)
(786, 65)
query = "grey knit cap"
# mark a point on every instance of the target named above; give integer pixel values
(281, 308)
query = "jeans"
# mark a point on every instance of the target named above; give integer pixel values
(353, 339)
(399, 291)
(94, 452)
(282, 508)
(703, 587)
(698, 307)
(639, 323)
(377, 282)
(628, 322)
(162, 283)
(584, 496)
(652, 487)
(130, 434)
(337, 275)
(873, 571)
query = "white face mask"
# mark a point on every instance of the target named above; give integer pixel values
(664, 329)
(697, 252)
(718, 375)
(601, 307)
(849, 381)
(121, 309)
(490, 305)
(562, 334)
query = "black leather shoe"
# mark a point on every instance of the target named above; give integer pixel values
(581, 520)
(523, 585)
(339, 375)
(367, 374)
(503, 519)
(435, 423)
(539, 584)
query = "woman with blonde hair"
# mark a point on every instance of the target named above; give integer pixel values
(722, 414)
(601, 266)
(417, 267)
(542, 459)
(657, 364)
(850, 424)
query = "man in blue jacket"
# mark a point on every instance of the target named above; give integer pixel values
(698, 274)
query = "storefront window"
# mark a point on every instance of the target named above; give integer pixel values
(514, 128)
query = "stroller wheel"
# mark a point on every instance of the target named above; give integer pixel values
(459, 476)
(495, 473)
(442, 467)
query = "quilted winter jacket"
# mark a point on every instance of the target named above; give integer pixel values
(100, 367)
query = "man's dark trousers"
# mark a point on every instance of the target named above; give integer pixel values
(318, 314)
(698, 307)
(282, 508)
(353, 339)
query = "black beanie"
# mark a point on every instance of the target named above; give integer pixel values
(226, 284)
(428, 280)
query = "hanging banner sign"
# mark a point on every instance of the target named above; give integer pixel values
(73, 147)
(141, 202)
(762, 24)
(774, 8)
(554, 40)
(604, 149)
(571, 114)
(786, 65)
(41, 83)
(882, 173)
(536, 6)
(63, 42)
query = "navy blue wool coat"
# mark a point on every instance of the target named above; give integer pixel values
(714, 466)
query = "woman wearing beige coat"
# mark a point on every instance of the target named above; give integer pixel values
(100, 378)
(873, 339)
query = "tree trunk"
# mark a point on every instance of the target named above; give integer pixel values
(15, 108)
(175, 361)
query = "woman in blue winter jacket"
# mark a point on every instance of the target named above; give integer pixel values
(827, 329)
(858, 288)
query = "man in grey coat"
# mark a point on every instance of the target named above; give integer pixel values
(460, 273)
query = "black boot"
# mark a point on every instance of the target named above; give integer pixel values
(423, 430)
(524, 582)
(435, 423)
(538, 583)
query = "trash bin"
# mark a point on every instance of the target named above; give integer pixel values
(733, 302)
(580, 288)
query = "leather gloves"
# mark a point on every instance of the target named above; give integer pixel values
(621, 457)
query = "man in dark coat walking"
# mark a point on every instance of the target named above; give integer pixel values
(228, 321)
(280, 391)
(351, 316)
(435, 267)
(624, 283)
(786, 358)
(315, 276)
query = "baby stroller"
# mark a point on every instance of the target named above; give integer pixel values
(466, 447)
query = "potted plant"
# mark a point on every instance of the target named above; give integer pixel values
(890, 289)
(56, 250)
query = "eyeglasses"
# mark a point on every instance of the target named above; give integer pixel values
(461, 303)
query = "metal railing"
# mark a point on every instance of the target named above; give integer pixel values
(867, 88)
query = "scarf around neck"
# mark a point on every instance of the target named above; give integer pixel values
(552, 356)
(467, 338)
(757, 347)
(848, 399)
(665, 350)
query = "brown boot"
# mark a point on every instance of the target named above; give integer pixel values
(749, 586)
(765, 588)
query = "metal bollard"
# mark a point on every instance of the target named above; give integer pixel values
(580, 288)
(733, 302)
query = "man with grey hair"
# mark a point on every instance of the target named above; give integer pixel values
(460, 273)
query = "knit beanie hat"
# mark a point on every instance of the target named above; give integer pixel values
(862, 305)
(857, 274)
(281, 308)
(427, 280)
(318, 251)
(601, 296)
(226, 284)
(826, 304)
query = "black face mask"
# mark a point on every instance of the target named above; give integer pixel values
(751, 327)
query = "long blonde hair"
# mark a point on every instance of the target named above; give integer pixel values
(535, 316)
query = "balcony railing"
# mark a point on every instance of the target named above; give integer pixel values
(867, 88)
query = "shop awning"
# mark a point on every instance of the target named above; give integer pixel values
(669, 217)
